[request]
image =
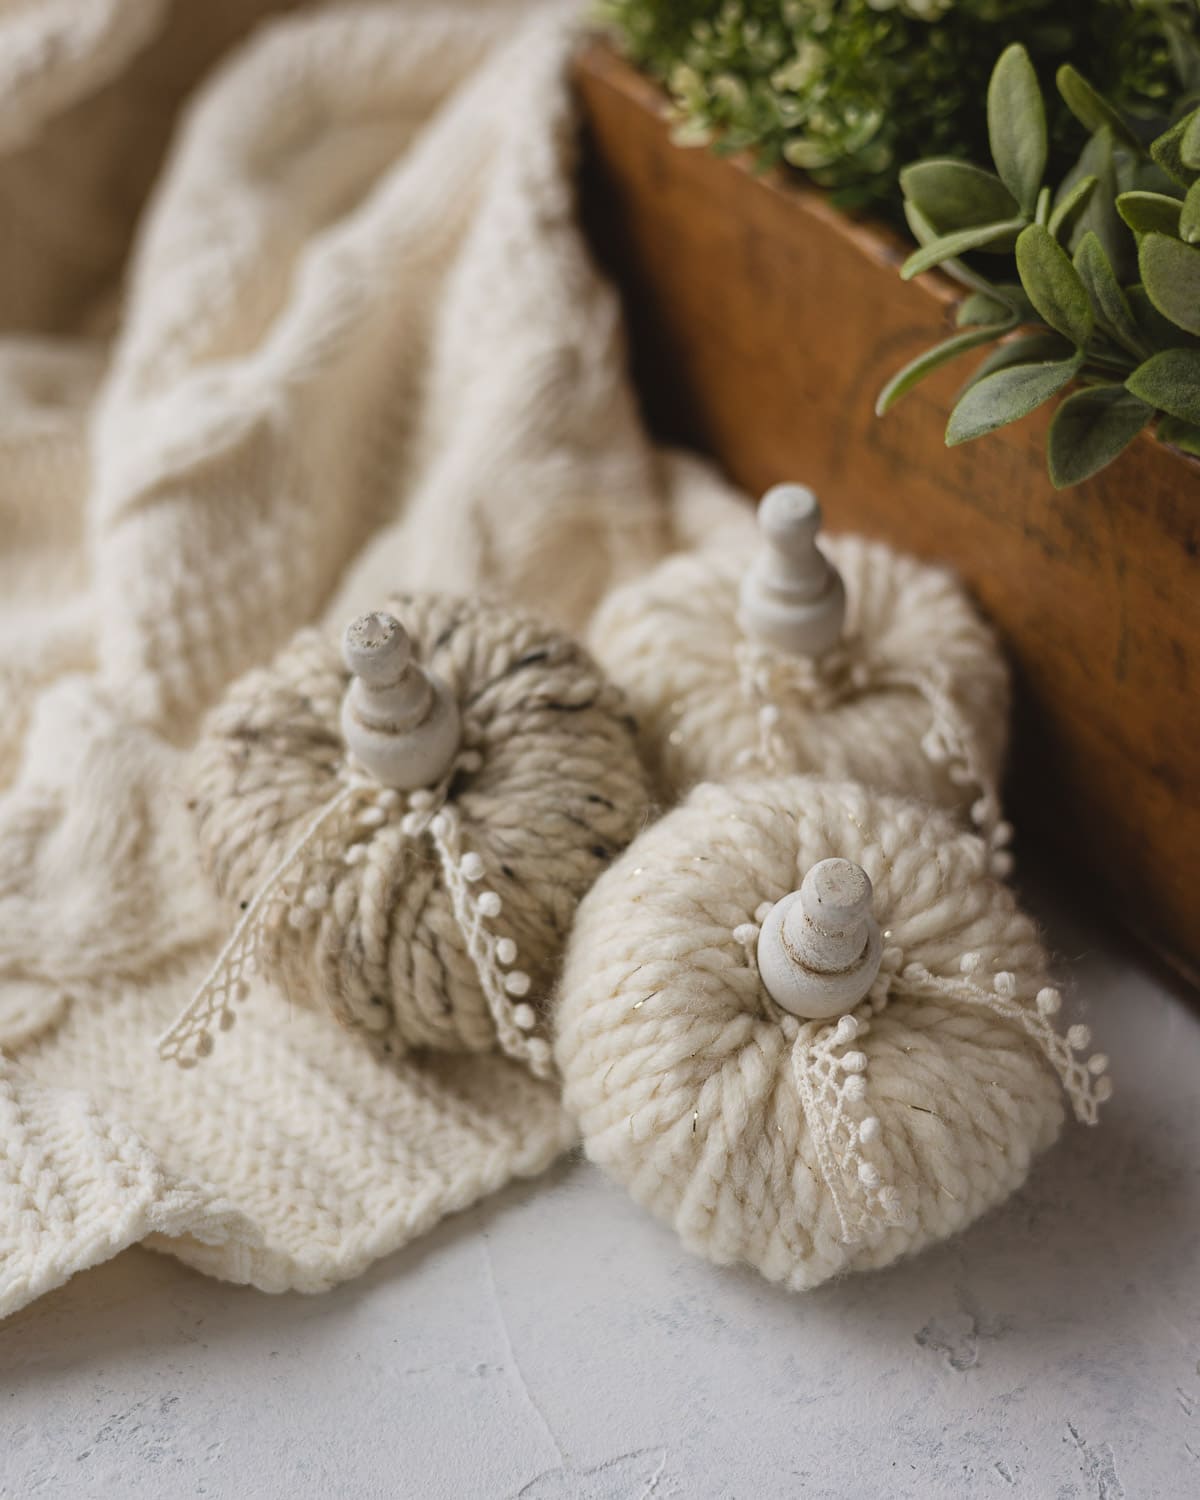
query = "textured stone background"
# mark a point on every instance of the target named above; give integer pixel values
(555, 1344)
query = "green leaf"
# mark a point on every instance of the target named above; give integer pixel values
(1182, 51)
(1095, 160)
(1006, 396)
(1170, 381)
(1013, 293)
(1089, 429)
(1030, 348)
(922, 230)
(1070, 205)
(1171, 276)
(924, 233)
(1017, 126)
(1155, 331)
(1189, 218)
(1109, 301)
(949, 246)
(981, 309)
(932, 359)
(1189, 142)
(1150, 213)
(1004, 302)
(955, 195)
(1183, 435)
(1167, 151)
(1053, 285)
(1090, 107)
(1099, 215)
(1140, 174)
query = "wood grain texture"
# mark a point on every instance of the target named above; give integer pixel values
(763, 324)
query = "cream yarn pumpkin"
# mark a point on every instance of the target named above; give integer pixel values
(904, 689)
(808, 1147)
(428, 915)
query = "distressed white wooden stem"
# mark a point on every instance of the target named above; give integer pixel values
(819, 949)
(399, 720)
(791, 596)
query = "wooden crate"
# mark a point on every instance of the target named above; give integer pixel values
(763, 324)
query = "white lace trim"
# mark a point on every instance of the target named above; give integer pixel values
(494, 954)
(769, 678)
(831, 1074)
(490, 954)
(190, 1036)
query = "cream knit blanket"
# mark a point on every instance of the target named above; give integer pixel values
(359, 345)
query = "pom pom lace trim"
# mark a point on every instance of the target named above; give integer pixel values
(769, 678)
(190, 1035)
(494, 955)
(831, 1075)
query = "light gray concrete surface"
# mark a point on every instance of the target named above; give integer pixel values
(556, 1344)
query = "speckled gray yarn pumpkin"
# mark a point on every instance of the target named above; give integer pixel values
(401, 909)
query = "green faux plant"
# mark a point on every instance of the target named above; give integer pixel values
(848, 90)
(1098, 281)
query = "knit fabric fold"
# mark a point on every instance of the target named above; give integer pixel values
(360, 347)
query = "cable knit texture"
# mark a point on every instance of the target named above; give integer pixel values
(381, 912)
(807, 1149)
(916, 701)
(360, 347)
(55, 51)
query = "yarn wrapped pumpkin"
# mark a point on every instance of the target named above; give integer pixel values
(911, 696)
(432, 917)
(811, 1147)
